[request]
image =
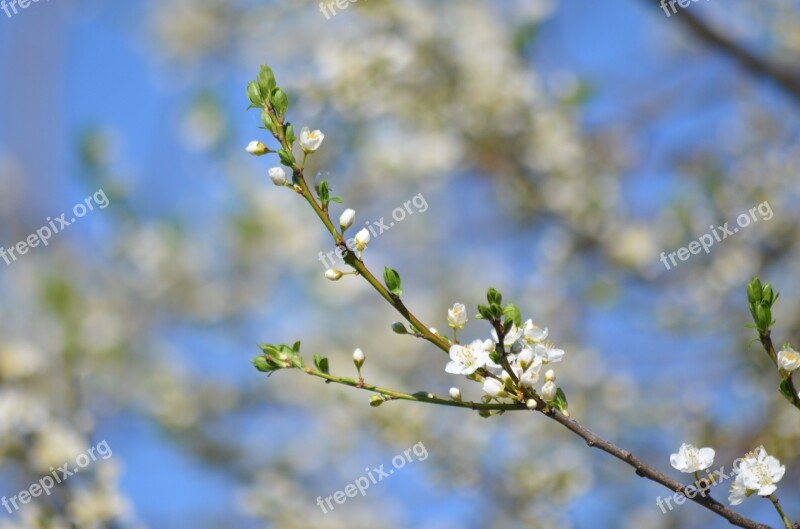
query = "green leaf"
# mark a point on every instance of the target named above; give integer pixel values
(338, 200)
(289, 133)
(296, 346)
(286, 158)
(266, 119)
(484, 312)
(266, 80)
(494, 297)
(392, 280)
(324, 194)
(321, 364)
(280, 101)
(254, 95)
(560, 402)
(786, 389)
(512, 313)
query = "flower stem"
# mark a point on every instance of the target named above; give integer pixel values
(777, 504)
(428, 398)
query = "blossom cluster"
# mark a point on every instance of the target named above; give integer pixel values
(508, 364)
(756, 473)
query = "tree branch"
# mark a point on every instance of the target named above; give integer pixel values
(746, 59)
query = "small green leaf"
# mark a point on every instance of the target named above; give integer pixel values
(392, 280)
(512, 313)
(266, 80)
(254, 95)
(494, 297)
(288, 132)
(338, 200)
(560, 402)
(786, 389)
(286, 158)
(296, 346)
(280, 101)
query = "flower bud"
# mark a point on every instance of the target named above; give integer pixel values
(549, 390)
(399, 328)
(347, 218)
(485, 413)
(333, 274)
(457, 316)
(261, 364)
(455, 394)
(256, 148)
(531, 404)
(278, 176)
(375, 401)
(362, 240)
(358, 358)
(550, 376)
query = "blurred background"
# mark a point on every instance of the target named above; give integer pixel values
(560, 147)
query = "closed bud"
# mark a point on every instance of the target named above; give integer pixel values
(358, 358)
(362, 240)
(531, 404)
(333, 274)
(754, 291)
(346, 219)
(550, 376)
(261, 364)
(766, 295)
(278, 176)
(256, 148)
(455, 394)
(375, 401)
(549, 391)
(399, 328)
(485, 413)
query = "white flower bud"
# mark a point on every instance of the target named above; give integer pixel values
(362, 240)
(549, 390)
(455, 394)
(457, 316)
(347, 218)
(278, 176)
(358, 358)
(310, 140)
(531, 404)
(333, 274)
(550, 376)
(789, 359)
(256, 148)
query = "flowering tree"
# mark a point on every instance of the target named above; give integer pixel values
(508, 364)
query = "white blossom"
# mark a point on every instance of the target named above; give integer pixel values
(690, 459)
(457, 316)
(466, 359)
(788, 359)
(310, 140)
(760, 472)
